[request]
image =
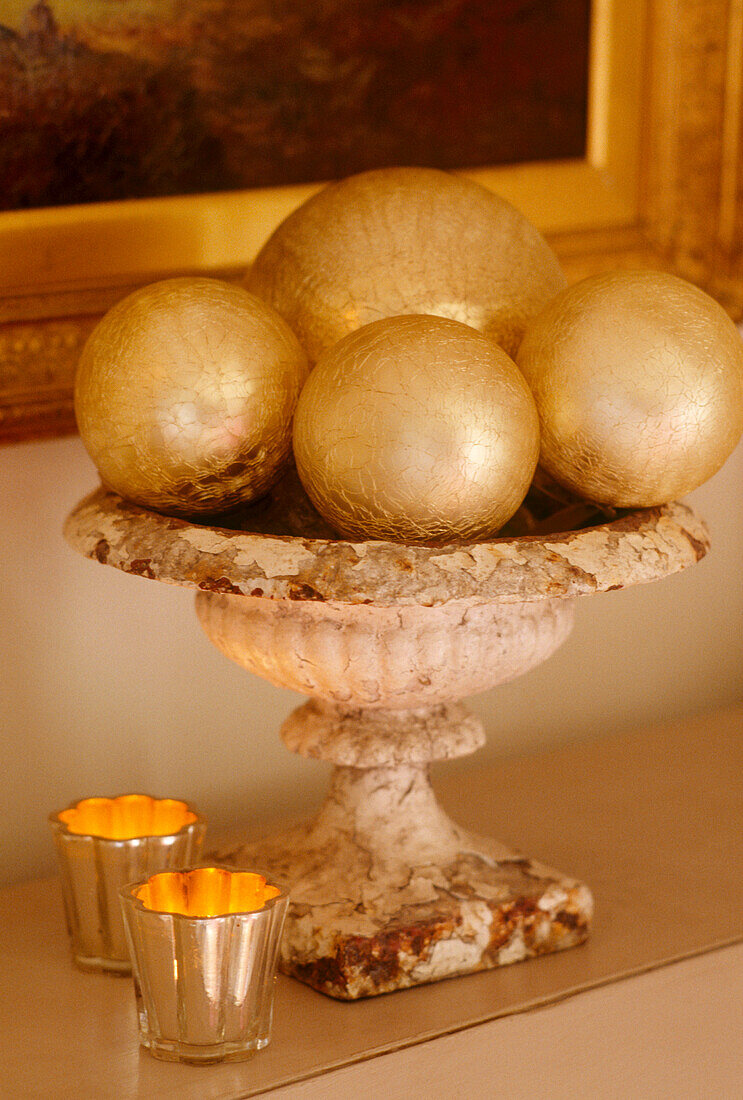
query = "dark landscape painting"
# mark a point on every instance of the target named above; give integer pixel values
(111, 99)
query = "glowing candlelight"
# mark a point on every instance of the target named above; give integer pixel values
(127, 816)
(204, 945)
(206, 892)
(103, 843)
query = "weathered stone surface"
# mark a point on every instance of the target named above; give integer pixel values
(638, 547)
(366, 655)
(364, 738)
(387, 892)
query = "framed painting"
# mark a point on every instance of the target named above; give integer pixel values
(145, 139)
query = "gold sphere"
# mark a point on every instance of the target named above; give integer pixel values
(416, 429)
(638, 379)
(405, 240)
(185, 393)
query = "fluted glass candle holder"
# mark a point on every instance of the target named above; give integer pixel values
(103, 843)
(204, 945)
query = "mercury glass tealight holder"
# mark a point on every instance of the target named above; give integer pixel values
(204, 946)
(103, 843)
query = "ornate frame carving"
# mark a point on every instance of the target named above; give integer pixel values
(661, 186)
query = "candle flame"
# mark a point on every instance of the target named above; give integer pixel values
(206, 892)
(127, 816)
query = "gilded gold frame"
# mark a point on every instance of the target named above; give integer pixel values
(660, 186)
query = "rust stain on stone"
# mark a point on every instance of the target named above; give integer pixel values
(323, 974)
(364, 966)
(376, 962)
(699, 548)
(304, 592)
(101, 551)
(221, 584)
(565, 929)
(507, 918)
(570, 920)
(141, 567)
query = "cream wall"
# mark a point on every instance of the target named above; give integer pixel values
(109, 685)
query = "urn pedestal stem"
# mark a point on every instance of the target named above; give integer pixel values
(388, 891)
(380, 792)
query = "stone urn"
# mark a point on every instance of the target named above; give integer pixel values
(386, 640)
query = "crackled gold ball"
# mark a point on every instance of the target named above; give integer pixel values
(416, 429)
(405, 240)
(185, 393)
(638, 379)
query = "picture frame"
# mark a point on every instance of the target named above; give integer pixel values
(660, 186)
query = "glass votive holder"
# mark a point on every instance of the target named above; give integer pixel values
(204, 945)
(103, 843)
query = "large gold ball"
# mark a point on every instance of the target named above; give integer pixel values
(638, 379)
(185, 393)
(416, 429)
(405, 240)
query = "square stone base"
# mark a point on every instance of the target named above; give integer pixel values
(440, 921)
